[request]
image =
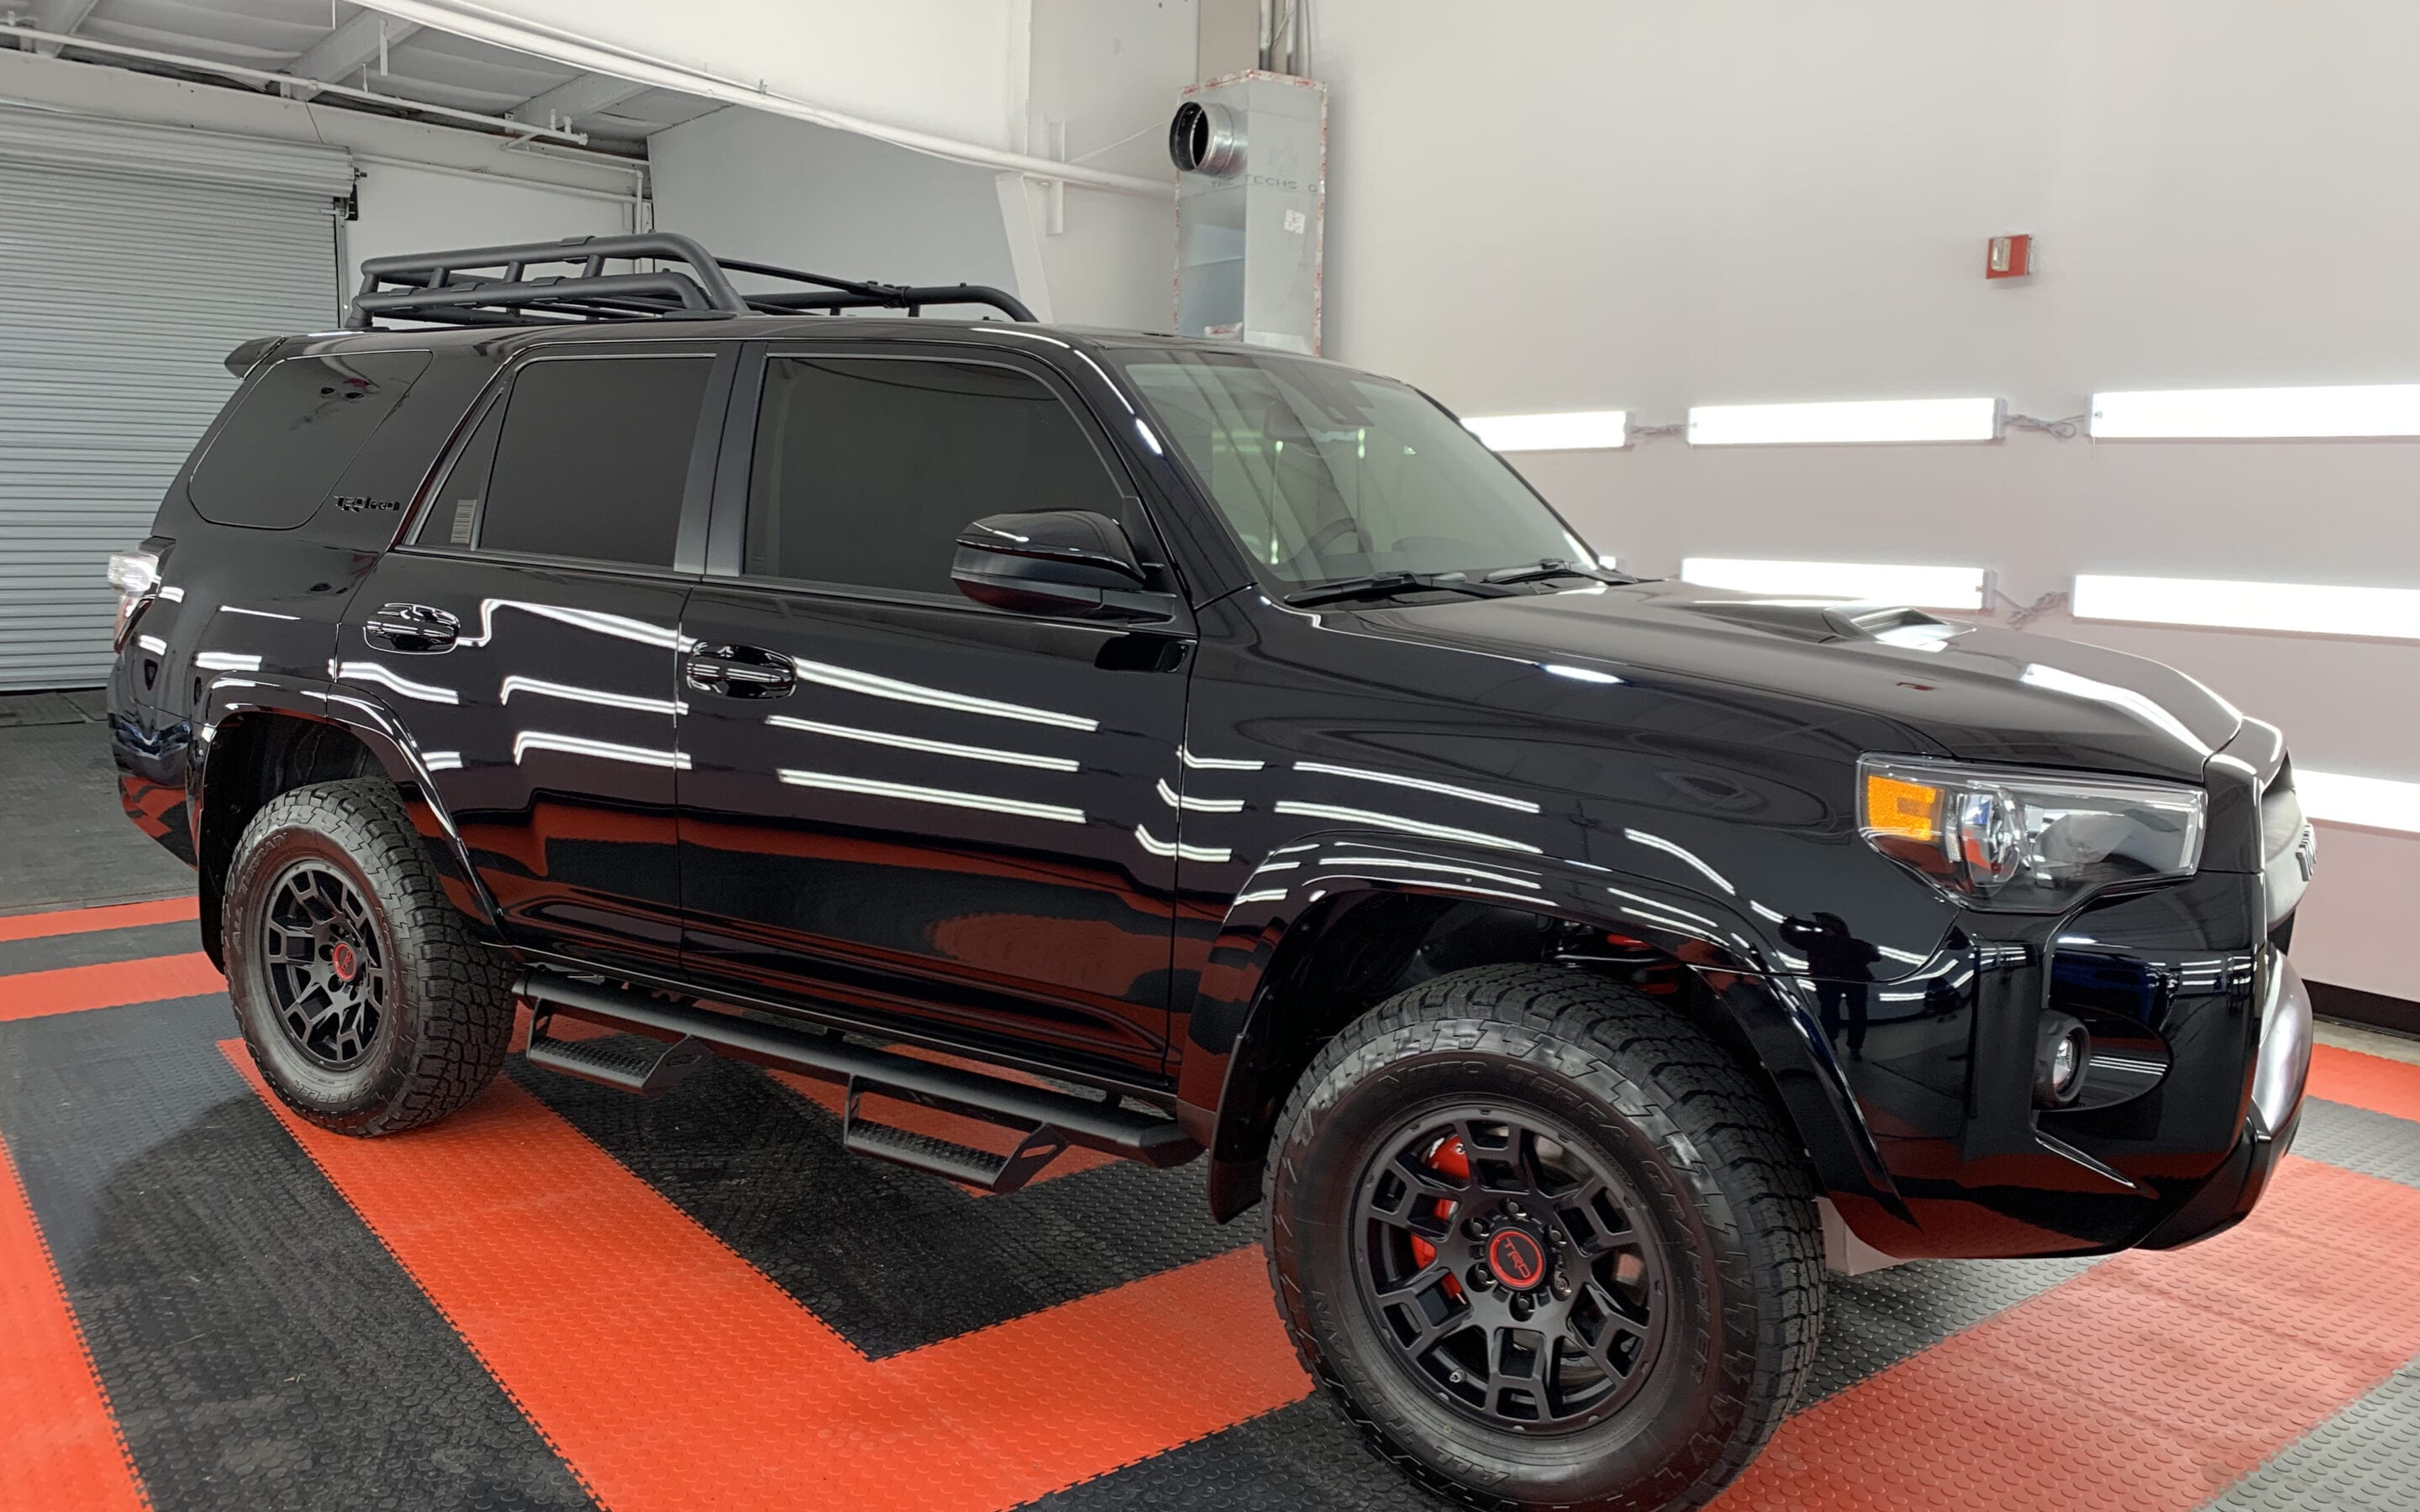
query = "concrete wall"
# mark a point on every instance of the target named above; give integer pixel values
(1617, 204)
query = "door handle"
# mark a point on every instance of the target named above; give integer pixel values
(411, 627)
(740, 671)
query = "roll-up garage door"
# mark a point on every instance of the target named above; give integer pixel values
(133, 259)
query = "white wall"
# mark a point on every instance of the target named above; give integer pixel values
(769, 189)
(1620, 203)
(1099, 76)
(934, 65)
(424, 188)
(420, 209)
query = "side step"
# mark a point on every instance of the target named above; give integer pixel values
(650, 1068)
(1048, 1119)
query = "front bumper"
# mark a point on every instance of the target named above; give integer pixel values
(2282, 1070)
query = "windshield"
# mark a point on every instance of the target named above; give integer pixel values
(1325, 474)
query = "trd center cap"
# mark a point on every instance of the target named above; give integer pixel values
(345, 962)
(1517, 1257)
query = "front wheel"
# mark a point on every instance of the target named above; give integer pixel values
(1545, 1242)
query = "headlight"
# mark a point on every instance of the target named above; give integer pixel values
(2026, 841)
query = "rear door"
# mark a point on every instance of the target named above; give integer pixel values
(934, 812)
(526, 634)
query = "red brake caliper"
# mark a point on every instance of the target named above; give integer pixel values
(1448, 1159)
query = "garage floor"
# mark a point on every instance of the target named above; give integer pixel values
(565, 1297)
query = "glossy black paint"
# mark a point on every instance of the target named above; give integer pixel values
(1161, 854)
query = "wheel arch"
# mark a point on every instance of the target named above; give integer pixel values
(257, 738)
(1327, 928)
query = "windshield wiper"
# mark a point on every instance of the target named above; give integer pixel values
(1554, 567)
(1388, 584)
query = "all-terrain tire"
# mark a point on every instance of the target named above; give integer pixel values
(447, 1017)
(1642, 1090)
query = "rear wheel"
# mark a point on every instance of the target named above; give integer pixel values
(367, 1003)
(1546, 1242)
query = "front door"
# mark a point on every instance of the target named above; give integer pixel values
(897, 803)
(526, 636)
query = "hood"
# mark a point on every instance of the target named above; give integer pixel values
(1980, 693)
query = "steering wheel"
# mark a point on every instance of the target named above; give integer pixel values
(1329, 533)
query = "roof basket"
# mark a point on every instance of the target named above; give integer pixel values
(509, 287)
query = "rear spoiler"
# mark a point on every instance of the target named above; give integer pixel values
(247, 356)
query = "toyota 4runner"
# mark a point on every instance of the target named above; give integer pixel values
(1241, 761)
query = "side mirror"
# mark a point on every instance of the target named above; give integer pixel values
(1066, 562)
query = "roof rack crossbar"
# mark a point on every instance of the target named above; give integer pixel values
(464, 288)
(682, 293)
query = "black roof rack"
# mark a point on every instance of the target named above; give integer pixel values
(496, 286)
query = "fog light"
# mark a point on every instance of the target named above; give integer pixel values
(2062, 1058)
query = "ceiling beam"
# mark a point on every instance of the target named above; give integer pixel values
(348, 47)
(587, 95)
(59, 16)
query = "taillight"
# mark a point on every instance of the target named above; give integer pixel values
(135, 575)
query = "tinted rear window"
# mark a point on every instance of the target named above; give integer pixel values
(592, 461)
(294, 432)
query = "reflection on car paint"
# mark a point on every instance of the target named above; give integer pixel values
(526, 741)
(174, 594)
(851, 680)
(1448, 789)
(908, 793)
(153, 644)
(1182, 852)
(1409, 827)
(226, 661)
(238, 609)
(1674, 848)
(539, 688)
(371, 671)
(917, 742)
(1578, 675)
(1217, 764)
(443, 761)
(620, 627)
(2149, 710)
(1425, 866)
(1175, 799)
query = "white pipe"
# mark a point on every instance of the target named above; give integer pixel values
(467, 18)
(263, 76)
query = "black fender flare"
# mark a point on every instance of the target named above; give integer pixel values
(228, 700)
(1306, 888)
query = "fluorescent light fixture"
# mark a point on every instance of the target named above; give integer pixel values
(1854, 420)
(2377, 802)
(1581, 430)
(2357, 409)
(2311, 608)
(1880, 582)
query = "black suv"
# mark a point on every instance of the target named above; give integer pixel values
(1236, 756)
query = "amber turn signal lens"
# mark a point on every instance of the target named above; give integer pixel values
(1896, 807)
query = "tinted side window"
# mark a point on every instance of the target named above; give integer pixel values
(591, 460)
(866, 469)
(293, 433)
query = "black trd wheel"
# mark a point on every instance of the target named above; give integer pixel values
(1546, 1242)
(368, 1006)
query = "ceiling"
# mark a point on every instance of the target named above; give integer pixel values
(330, 42)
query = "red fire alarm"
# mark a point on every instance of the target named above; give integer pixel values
(2008, 257)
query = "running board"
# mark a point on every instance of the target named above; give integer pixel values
(1048, 1121)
